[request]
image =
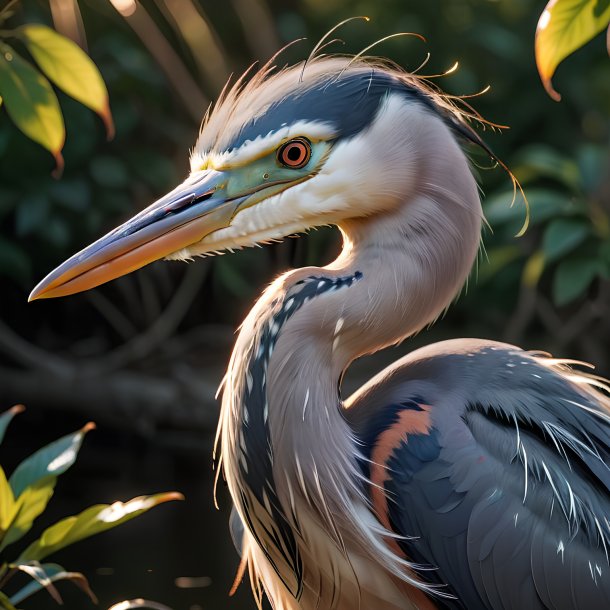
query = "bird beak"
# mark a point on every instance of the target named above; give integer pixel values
(196, 208)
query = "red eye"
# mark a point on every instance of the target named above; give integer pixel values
(295, 153)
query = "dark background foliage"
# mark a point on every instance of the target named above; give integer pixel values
(143, 355)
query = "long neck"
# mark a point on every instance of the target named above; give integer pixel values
(285, 441)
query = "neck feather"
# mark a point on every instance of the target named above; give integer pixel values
(289, 455)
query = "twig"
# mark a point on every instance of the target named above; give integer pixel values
(165, 325)
(30, 355)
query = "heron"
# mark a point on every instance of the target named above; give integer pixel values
(468, 474)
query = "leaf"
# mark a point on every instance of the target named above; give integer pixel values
(68, 67)
(572, 278)
(32, 214)
(563, 235)
(541, 161)
(497, 259)
(533, 269)
(35, 571)
(7, 504)
(53, 573)
(5, 602)
(14, 261)
(544, 204)
(53, 459)
(31, 103)
(27, 507)
(93, 520)
(7, 417)
(564, 27)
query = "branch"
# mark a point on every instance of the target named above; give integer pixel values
(164, 326)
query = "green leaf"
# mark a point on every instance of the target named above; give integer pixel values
(562, 236)
(109, 172)
(68, 67)
(32, 214)
(51, 460)
(31, 103)
(28, 506)
(572, 278)
(541, 161)
(544, 204)
(564, 27)
(14, 261)
(7, 417)
(5, 602)
(53, 573)
(91, 521)
(497, 259)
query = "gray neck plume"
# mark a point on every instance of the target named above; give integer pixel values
(289, 456)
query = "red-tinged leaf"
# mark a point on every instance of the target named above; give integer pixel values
(7, 417)
(52, 459)
(31, 103)
(35, 571)
(66, 65)
(52, 573)
(564, 27)
(93, 520)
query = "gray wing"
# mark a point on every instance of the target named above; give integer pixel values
(495, 467)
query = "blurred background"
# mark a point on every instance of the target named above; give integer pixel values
(143, 356)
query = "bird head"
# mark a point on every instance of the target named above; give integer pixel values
(280, 153)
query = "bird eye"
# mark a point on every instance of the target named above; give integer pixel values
(294, 153)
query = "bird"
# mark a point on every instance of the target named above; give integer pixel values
(470, 474)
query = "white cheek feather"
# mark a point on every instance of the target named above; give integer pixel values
(358, 179)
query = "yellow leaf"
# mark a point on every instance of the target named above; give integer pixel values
(91, 521)
(66, 65)
(28, 506)
(31, 103)
(7, 503)
(564, 27)
(533, 269)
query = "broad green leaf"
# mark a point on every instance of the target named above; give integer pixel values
(7, 417)
(68, 67)
(562, 236)
(5, 602)
(564, 27)
(53, 459)
(572, 278)
(53, 573)
(28, 506)
(544, 204)
(541, 161)
(93, 520)
(31, 103)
